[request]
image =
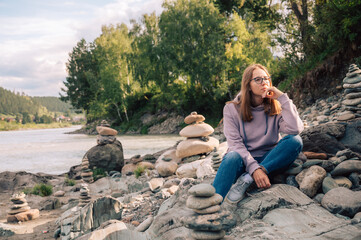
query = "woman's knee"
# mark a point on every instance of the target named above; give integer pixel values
(295, 142)
(232, 158)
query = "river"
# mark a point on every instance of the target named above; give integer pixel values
(54, 152)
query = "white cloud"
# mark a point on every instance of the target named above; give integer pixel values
(34, 50)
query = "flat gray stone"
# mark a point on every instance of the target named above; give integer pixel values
(353, 95)
(208, 235)
(202, 190)
(328, 183)
(353, 77)
(350, 85)
(210, 222)
(342, 201)
(294, 170)
(194, 202)
(347, 167)
(208, 210)
(352, 102)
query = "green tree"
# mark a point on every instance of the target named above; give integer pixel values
(81, 85)
(112, 50)
(192, 34)
(26, 118)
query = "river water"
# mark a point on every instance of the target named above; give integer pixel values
(54, 152)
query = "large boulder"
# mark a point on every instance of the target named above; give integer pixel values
(324, 138)
(108, 157)
(352, 138)
(343, 201)
(79, 221)
(283, 212)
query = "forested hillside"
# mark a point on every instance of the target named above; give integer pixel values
(12, 103)
(191, 57)
(53, 104)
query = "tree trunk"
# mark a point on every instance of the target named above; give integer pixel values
(116, 106)
(301, 12)
(126, 114)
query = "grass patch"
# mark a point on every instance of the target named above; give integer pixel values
(99, 173)
(139, 171)
(39, 189)
(68, 181)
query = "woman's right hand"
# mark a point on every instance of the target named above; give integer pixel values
(261, 178)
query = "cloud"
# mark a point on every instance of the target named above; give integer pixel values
(34, 49)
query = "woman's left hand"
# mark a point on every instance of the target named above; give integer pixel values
(261, 178)
(272, 92)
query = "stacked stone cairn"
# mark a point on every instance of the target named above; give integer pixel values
(352, 86)
(20, 211)
(86, 173)
(106, 134)
(208, 220)
(197, 134)
(84, 195)
(216, 160)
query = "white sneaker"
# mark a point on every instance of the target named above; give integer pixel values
(238, 190)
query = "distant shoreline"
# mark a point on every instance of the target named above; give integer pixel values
(4, 126)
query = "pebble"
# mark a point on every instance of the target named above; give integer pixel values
(343, 182)
(328, 183)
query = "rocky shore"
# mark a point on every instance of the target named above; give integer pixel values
(167, 195)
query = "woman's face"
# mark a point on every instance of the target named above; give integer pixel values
(259, 89)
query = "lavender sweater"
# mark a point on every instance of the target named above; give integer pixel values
(262, 133)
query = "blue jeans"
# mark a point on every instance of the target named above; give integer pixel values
(277, 159)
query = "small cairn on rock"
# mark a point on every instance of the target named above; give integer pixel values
(197, 134)
(208, 220)
(352, 86)
(106, 134)
(84, 195)
(216, 160)
(108, 154)
(20, 211)
(86, 173)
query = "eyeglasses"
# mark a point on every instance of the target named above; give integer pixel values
(259, 80)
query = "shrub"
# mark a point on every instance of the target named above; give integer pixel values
(42, 190)
(99, 173)
(138, 171)
(68, 181)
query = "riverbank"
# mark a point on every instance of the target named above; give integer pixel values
(13, 126)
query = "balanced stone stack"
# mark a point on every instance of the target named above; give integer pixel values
(20, 211)
(216, 161)
(208, 220)
(86, 173)
(352, 86)
(197, 134)
(106, 134)
(84, 195)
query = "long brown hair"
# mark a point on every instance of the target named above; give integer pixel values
(271, 106)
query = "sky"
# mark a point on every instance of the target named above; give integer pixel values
(36, 37)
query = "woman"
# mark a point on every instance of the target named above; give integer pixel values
(252, 125)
